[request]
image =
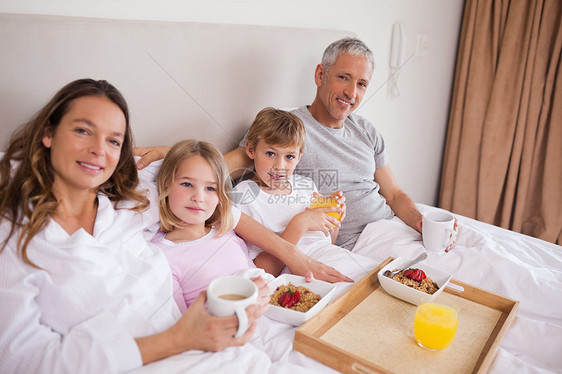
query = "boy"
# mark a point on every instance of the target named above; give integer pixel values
(279, 199)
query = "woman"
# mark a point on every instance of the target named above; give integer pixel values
(81, 291)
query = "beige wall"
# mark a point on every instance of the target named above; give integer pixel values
(413, 123)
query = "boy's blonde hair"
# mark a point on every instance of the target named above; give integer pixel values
(277, 127)
(167, 174)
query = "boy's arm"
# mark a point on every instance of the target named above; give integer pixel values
(269, 263)
(294, 230)
(334, 234)
(311, 220)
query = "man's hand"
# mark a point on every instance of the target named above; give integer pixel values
(149, 154)
(454, 235)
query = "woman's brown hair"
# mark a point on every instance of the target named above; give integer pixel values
(26, 173)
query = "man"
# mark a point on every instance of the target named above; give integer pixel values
(343, 150)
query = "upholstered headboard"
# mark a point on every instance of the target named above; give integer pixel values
(181, 79)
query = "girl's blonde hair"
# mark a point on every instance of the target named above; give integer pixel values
(167, 174)
(26, 173)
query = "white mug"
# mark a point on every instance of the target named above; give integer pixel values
(438, 230)
(232, 295)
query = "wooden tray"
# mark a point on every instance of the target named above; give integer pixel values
(366, 330)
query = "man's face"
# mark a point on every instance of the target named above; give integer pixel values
(341, 88)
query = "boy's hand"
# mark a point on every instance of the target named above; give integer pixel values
(340, 200)
(318, 219)
(338, 195)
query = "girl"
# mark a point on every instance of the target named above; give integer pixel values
(197, 220)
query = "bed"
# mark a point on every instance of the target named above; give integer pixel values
(515, 266)
(160, 84)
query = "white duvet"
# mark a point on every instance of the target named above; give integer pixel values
(512, 265)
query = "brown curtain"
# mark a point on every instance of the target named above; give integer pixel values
(503, 156)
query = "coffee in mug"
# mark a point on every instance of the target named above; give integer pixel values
(232, 295)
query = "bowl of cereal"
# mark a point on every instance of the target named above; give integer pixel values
(418, 285)
(294, 301)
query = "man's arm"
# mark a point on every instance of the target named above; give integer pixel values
(150, 154)
(238, 162)
(397, 199)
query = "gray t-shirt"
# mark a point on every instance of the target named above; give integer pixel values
(346, 159)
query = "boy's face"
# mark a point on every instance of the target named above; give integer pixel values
(273, 164)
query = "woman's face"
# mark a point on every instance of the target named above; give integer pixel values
(193, 195)
(86, 144)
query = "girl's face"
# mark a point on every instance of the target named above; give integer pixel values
(86, 144)
(193, 195)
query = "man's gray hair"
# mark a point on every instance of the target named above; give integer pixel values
(346, 46)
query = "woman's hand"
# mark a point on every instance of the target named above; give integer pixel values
(197, 329)
(149, 154)
(206, 332)
(263, 299)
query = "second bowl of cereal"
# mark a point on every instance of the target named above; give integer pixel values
(294, 301)
(418, 285)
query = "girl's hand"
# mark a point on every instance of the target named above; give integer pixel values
(301, 264)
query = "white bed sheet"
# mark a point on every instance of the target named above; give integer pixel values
(507, 263)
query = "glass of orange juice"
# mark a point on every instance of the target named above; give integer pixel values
(322, 201)
(435, 325)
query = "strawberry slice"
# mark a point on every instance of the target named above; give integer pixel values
(289, 298)
(415, 274)
(409, 273)
(284, 299)
(296, 297)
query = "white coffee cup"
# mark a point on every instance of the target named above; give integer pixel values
(232, 295)
(438, 230)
